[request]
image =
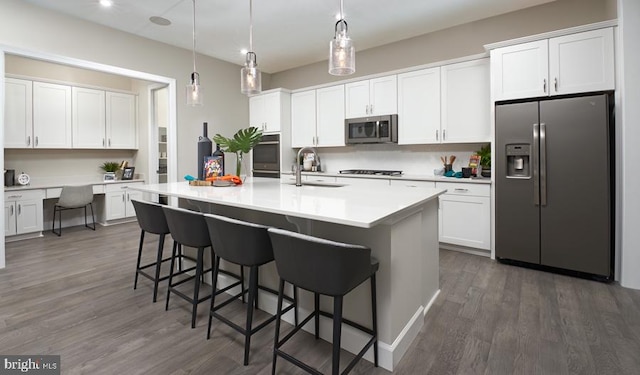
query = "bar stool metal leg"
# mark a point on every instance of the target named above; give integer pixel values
(173, 260)
(158, 266)
(337, 333)
(135, 282)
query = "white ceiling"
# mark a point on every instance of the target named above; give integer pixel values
(287, 33)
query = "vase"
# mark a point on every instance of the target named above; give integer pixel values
(241, 170)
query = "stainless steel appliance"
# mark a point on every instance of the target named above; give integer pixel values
(266, 157)
(374, 129)
(554, 184)
(379, 172)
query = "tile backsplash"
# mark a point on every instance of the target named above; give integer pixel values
(411, 159)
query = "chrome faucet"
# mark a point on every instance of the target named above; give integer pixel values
(299, 169)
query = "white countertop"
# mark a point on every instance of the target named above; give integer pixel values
(66, 181)
(473, 180)
(347, 205)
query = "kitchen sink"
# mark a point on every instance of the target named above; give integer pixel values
(317, 183)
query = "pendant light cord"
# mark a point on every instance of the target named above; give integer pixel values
(250, 26)
(341, 9)
(194, 36)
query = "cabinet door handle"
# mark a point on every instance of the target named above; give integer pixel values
(102, 142)
(544, 86)
(555, 83)
(444, 134)
(109, 142)
(28, 140)
(123, 198)
(11, 214)
(371, 109)
(36, 141)
(19, 209)
(437, 137)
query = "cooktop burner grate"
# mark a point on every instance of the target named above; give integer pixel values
(379, 172)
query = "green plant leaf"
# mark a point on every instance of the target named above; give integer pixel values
(110, 166)
(485, 155)
(243, 141)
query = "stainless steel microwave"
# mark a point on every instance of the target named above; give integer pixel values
(374, 129)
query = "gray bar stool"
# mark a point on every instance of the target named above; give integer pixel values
(189, 229)
(151, 220)
(248, 245)
(329, 268)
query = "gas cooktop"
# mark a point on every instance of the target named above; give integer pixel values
(379, 172)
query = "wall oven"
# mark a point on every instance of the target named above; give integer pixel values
(266, 157)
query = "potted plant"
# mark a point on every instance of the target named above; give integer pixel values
(485, 160)
(241, 143)
(110, 168)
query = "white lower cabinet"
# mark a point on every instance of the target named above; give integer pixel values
(23, 212)
(118, 201)
(465, 215)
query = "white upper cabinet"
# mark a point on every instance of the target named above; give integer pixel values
(121, 124)
(371, 97)
(582, 62)
(266, 110)
(419, 106)
(466, 102)
(330, 116)
(18, 113)
(520, 71)
(51, 115)
(303, 118)
(88, 118)
(317, 117)
(568, 64)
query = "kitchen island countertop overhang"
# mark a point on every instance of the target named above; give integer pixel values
(346, 205)
(398, 223)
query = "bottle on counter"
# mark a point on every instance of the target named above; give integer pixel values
(204, 150)
(218, 153)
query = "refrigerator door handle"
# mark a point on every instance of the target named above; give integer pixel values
(535, 157)
(543, 164)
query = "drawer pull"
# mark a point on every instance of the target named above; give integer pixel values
(14, 196)
(461, 190)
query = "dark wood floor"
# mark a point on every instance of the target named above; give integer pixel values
(73, 296)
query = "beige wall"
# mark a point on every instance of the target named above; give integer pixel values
(455, 42)
(226, 109)
(67, 74)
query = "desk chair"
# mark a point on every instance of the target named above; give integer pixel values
(73, 197)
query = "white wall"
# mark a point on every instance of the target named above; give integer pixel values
(226, 109)
(630, 33)
(57, 35)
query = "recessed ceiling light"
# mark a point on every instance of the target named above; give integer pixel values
(160, 21)
(106, 3)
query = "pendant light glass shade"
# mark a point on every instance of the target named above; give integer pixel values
(342, 53)
(194, 90)
(250, 75)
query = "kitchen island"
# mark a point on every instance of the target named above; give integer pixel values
(399, 224)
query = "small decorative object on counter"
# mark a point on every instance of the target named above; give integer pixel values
(204, 150)
(219, 154)
(110, 168)
(23, 179)
(127, 173)
(485, 160)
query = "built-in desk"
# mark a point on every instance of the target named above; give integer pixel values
(28, 210)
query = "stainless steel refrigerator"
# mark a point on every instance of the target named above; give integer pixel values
(554, 183)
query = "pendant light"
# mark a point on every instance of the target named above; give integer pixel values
(194, 90)
(342, 53)
(250, 75)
